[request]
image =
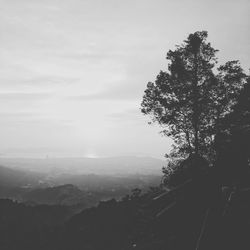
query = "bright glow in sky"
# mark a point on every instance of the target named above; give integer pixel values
(73, 72)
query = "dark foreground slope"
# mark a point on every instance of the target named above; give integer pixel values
(174, 222)
(26, 227)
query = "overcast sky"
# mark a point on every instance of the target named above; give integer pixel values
(73, 72)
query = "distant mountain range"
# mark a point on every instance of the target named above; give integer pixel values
(101, 166)
(81, 182)
(18, 177)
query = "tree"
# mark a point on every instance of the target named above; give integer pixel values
(233, 140)
(190, 97)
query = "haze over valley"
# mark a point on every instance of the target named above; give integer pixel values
(76, 182)
(124, 125)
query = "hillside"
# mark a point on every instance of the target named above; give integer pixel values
(16, 177)
(133, 223)
(76, 191)
(67, 195)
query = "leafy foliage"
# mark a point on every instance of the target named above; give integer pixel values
(191, 97)
(179, 171)
(233, 140)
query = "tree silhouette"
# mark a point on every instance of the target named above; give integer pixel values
(190, 97)
(233, 140)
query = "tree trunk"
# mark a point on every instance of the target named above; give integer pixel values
(196, 108)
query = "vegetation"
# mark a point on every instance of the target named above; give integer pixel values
(195, 101)
(193, 95)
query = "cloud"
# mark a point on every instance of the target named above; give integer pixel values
(129, 117)
(40, 81)
(105, 96)
(27, 96)
(86, 63)
(14, 115)
(126, 115)
(121, 92)
(32, 120)
(92, 54)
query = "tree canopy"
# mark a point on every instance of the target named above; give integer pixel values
(190, 98)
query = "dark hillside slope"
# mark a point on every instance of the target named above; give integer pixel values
(60, 195)
(133, 223)
(24, 227)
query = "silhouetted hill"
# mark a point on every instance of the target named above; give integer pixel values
(110, 183)
(12, 192)
(25, 227)
(67, 195)
(133, 223)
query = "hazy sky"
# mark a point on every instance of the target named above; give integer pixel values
(73, 72)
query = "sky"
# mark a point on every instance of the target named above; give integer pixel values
(73, 72)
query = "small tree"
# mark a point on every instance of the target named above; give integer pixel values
(190, 97)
